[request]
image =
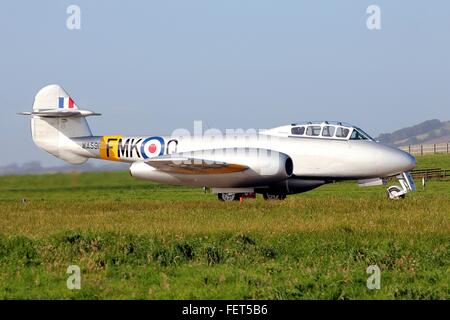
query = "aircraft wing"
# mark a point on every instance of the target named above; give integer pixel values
(188, 165)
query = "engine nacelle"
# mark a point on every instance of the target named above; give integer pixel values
(265, 167)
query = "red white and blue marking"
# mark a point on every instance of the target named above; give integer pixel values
(65, 102)
(152, 147)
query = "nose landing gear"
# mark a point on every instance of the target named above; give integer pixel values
(406, 185)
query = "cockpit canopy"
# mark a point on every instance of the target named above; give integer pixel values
(328, 130)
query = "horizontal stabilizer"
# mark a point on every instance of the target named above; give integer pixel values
(187, 165)
(60, 113)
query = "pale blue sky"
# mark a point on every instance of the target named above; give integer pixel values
(153, 66)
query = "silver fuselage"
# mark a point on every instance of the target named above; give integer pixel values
(313, 159)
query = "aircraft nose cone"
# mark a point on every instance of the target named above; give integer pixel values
(397, 161)
(409, 160)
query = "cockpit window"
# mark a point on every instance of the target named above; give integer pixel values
(368, 137)
(328, 131)
(313, 131)
(357, 136)
(298, 130)
(342, 132)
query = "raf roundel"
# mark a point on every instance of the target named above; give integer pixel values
(152, 147)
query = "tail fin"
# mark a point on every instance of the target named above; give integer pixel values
(53, 97)
(55, 120)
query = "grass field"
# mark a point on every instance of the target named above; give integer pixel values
(139, 240)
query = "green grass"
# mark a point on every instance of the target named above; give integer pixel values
(139, 240)
(433, 161)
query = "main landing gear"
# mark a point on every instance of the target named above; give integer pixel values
(229, 196)
(239, 196)
(406, 185)
(274, 196)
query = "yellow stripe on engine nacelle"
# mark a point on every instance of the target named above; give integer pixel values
(200, 169)
(109, 147)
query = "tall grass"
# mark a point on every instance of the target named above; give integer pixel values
(139, 240)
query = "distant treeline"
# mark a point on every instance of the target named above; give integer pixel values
(34, 167)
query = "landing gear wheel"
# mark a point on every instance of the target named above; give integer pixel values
(394, 192)
(406, 185)
(228, 196)
(274, 196)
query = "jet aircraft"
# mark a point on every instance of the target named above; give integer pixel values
(277, 162)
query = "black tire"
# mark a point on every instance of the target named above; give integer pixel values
(274, 196)
(227, 196)
(394, 189)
